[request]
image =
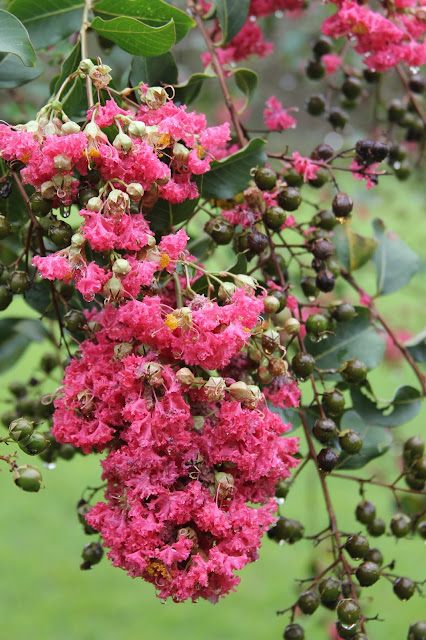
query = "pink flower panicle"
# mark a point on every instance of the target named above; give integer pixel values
(277, 118)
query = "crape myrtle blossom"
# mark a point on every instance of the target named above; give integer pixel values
(192, 454)
(275, 117)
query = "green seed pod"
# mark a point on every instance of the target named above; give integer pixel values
(27, 478)
(21, 429)
(6, 297)
(74, 320)
(303, 364)
(274, 218)
(309, 287)
(316, 324)
(350, 441)
(60, 234)
(333, 403)
(40, 206)
(287, 529)
(376, 527)
(92, 554)
(404, 588)
(294, 632)
(324, 429)
(417, 631)
(35, 444)
(327, 459)
(308, 602)
(329, 589)
(19, 282)
(271, 304)
(419, 468)
(365, 512)
(400, 525)
(354, 371)
(357, 546)
(83, 509)
(344, 312)
(325, 219)
(374, 555)
(265, 178)
(367, 574)
(348, 611)
(289, 199)
(5, 227)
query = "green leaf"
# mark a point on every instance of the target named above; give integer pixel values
(232, 16)
(417, 346)
(376, 441)
(231, 175)
(354, 339)
(48, 21)
(69, 65)
(13, 74)
(246, 81)
(403, 407)
(155, 70)
(13, 207)
(14, 39)
(73, 97)
(153, 13)
(136, 37)
(287, 416)
(239, 266)
(16, 334)
(164, 214)
(353, 250)
(186, 92)
(394, 261)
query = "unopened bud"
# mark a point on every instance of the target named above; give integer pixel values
(112, 288)
(271, 304)
(239, 391)
(292, 326)
(198, 423)
(153, 374)
(122, 142)
(70, 127)
(226, 290)
(27, 478)
(85, 66)
(94, 204)
(180, 152)
(224, 484)
(242, 280)
(99, 75)
(78, 239)
(185, 376)
(32, 126)
(137, 129)
(48, 190)
(121, 267)
(135, 190)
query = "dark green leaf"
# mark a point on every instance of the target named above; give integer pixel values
(189, 90)
(198, 246)
(240, 266)
(403, 407)
(69, 65)
(13, 74)
(154, 14)
(394, 261)
(288, 416)
(232, 16)
(154, 70)
(14, 39)
(39, 298)
(246, 80)
(136, 37)
(417, 346)
(16, 334)
(230, 176)
(13, 207)
(354, 339)
(353, 250)
(164, 214)
(48, 21)
(376, 441)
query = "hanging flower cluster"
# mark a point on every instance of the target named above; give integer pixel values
(190, 447)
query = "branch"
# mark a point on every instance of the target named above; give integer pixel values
(84, 52)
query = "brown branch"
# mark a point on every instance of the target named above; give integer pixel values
(407, 355)
(410, 94)
(219, 72)
(375, 482)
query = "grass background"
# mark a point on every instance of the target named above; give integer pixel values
(45, 596)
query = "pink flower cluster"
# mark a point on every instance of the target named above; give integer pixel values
(277, 118)
(384, 40)
(184, 457)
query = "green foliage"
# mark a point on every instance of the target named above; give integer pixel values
(376, 441)
(246, 81)
(403, 407)
(13, 73)
(153, 14)
(230, 176)
(188, 91)
(164, 214)
(14, 39)
(49, 21)
(353, 249)
(16, 334)
(231, 15)
(135, 37)
(394, 261)
(356, 338)
(154, 70)
(417, 346)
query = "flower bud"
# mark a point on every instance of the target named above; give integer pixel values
(27, 478)
(137, 129)
(292, 326)
(112, 288)
(215, 388)
(224, 484)
(121, 267)
(242, 280)
(94, 204)
(85, 66)
(271, 304)
(32, 126)
(62, 162)
(117, 202)
(226, 290)
(99, 75)
(256, 396)
(135, 190)
(70, 127)
(153, 374)
(122, 350)
(198, 423)
(21, 429)
(239, 391)
(122, 142)
(180, 152)
(185, 376)
(78, 240)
